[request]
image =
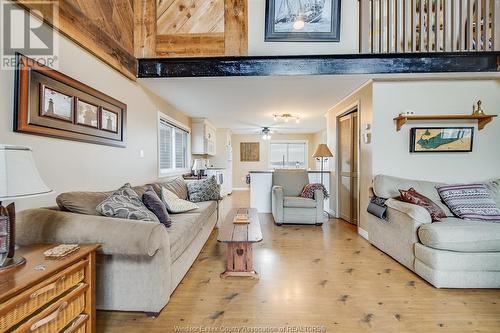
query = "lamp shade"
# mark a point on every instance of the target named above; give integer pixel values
(199, 165)
(322, 151)
(19, 177)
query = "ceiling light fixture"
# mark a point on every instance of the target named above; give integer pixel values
(286, 117)
(266, 133)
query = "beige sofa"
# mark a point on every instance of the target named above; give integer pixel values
(453, 253)
(140, 263)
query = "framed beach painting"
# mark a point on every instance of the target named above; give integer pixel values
(302, 21)
(441, 139)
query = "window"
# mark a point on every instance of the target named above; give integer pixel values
(173, 146)
(288, 154)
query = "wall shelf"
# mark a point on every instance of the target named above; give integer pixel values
(482, 120)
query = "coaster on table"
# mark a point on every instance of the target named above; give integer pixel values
(241, 219)
(61, 251)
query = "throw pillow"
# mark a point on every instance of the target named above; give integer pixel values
(153, 202)
(204, 190)
(125, 204)
(470, 202)
(413, 197)
(308, 190)
(174, 204)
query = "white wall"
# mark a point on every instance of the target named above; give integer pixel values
(241, 169)
(256, 32)
(391, 149)
(69, 165)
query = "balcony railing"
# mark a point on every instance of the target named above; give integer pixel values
(414, 26)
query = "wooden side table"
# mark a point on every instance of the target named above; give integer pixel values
(49, 295)
(239, 239)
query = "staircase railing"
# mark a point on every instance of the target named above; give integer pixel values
(414, 26)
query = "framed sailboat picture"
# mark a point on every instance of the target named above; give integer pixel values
(302, 21)
(441, 139)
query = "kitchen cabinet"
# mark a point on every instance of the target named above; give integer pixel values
(203, 137)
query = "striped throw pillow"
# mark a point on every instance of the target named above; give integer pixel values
(470, 202)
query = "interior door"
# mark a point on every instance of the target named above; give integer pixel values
(348, 164)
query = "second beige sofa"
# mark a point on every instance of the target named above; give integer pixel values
(140, 263)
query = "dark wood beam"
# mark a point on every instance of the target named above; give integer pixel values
(321, 65)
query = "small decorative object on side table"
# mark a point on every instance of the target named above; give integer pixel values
(19, 179)
(239, 238)
(49, 295)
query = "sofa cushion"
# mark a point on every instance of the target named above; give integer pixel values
(299, 202)
(86, 202)
(494, 186)
(174, 203)
(292, 180)
(388, 187)
(183, 231)
(413, 197)
(176, 185)
(125, 204)
(205, 208)
(204, 190)
(470, 201)
(153, 202)
(455, 234)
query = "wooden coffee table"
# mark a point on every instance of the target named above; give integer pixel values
(239, 239)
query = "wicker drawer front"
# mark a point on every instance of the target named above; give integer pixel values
(79, 325)
(58, 315)
(21, 306)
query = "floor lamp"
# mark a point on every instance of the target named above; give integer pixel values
(322, 154)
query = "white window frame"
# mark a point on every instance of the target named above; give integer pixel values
(305, 142)
(173, 171)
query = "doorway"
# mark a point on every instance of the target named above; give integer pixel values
(348, 138)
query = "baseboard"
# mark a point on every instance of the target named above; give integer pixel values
(241, 188)
(363, 233)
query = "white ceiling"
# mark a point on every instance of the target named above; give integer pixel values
(245, 104)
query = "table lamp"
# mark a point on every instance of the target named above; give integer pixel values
(198, 166)
(19, 178)
(322, 153)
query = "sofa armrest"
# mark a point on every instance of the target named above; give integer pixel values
(277, 198)
(418, 214)
(116, 236)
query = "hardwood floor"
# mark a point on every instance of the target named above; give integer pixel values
(328, 278)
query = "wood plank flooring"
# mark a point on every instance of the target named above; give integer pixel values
(325, 278)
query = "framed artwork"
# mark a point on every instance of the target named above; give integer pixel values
(441, 139)
(302, 20)
(249, 151)
(52, 104)
(55, 104)
(109, 121)
(87, 114)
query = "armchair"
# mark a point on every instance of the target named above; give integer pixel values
(288, 206)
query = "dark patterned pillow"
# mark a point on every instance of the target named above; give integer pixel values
(125, 204)
(204, 190)
(308, 190)
(153, 202)
(413, 197)
(470, 202)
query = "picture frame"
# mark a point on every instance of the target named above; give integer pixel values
(35, 84)
(108, 121)
(55, 104)
(302, 20)
(87, 114)
(441, 139)
(249, 151)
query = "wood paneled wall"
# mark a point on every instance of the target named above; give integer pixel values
(120, 31)
(186, 28)
(104, 28)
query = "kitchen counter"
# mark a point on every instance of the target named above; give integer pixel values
(271, 171)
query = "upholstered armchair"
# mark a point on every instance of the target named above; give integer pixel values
(288, 206)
